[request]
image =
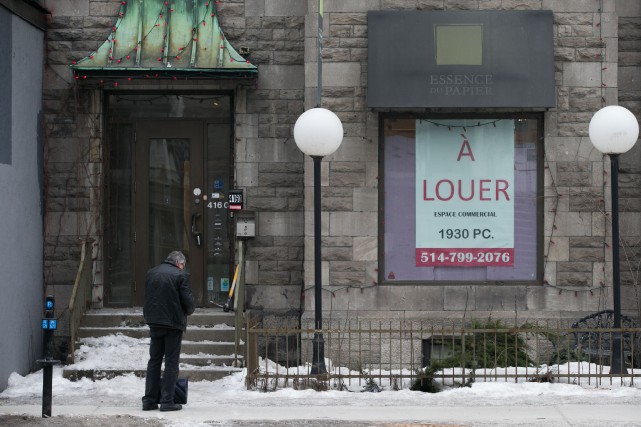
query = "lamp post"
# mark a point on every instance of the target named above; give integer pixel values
(614, 130)
(318, 133)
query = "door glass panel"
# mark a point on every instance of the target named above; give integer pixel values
(168, 180)
(118, 239)
(127, 106)
(219, 254)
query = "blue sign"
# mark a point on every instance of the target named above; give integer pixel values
(49, 324)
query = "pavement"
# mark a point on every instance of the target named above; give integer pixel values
(575, 415)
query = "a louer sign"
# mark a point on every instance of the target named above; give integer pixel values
(464, 194)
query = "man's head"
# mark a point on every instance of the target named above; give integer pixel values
(176, 258)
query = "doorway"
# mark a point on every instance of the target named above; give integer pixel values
(169, 170)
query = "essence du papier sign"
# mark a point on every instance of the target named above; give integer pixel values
(460, 58)
(465, 193)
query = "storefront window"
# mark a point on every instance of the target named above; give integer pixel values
(461, 199)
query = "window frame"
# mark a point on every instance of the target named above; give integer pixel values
(540, 160)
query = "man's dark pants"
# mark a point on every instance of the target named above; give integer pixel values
(164, 342)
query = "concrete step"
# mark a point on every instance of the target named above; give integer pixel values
(209, 360)
(207, 352)
(200, 333)
(214, 348)
(189, 346)
(132, 317)
(194, 374)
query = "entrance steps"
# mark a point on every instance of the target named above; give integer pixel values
(207, 352)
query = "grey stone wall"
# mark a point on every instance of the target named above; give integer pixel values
(576, 227)
(268, 164)
(72, 148)
(596, 59)
(629, 77)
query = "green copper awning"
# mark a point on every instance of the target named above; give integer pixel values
(165, 38)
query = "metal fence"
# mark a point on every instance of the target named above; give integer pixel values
(434, 355)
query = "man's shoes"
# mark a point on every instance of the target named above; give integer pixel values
(170, 407)
(150, 407)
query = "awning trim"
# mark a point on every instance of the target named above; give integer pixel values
(164, 38)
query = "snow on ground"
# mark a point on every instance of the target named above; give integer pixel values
(112, 352)
(127, 391)
(121, 352)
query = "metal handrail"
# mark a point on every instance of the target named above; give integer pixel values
(239, 302)
(80, 296)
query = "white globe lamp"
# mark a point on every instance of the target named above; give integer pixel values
(614, 130)
(318, 132)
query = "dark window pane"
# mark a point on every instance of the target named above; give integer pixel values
(119, 230)
(168, 163)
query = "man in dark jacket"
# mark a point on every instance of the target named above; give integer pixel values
(168, 302)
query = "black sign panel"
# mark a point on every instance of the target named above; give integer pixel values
(235, 200)
(460, 59)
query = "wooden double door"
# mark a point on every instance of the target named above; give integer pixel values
(168, 184)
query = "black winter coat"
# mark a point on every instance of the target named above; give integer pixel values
(168, 297)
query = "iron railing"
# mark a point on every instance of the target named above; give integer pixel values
(81, 296)
(407, 354)
(239, 303)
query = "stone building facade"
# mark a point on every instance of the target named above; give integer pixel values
(597, 62)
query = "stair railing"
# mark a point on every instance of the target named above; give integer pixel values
(81, 295)
(239, 302)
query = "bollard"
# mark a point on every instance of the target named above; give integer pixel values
(49, 324)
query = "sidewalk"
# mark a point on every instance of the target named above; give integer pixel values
(237, 415)
(227, 402)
